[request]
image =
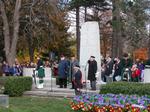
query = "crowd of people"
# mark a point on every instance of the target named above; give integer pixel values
(124, 69)
(17, 68)
(70, 68)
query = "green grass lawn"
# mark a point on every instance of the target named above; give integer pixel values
(34, 104)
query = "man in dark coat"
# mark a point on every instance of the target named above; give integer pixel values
(92, 72)
(109, 66)
(62, 72)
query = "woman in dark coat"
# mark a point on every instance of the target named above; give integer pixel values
(92, 72)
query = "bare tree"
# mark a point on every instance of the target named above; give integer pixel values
(10, 40)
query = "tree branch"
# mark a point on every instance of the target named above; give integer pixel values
(16, 25)
(5, 28)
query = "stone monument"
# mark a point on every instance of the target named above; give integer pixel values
(90, 46)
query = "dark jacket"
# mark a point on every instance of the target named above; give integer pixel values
(109, 68)
(118, 69)
(92, 70)
(39, 63)
(5, 68)
(126, 63)
(78, 79)
(63, 69)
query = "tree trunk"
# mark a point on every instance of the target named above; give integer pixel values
(31, 53)
(116, 40)
(6, 29)
(78, 31)
(10, 46)
(30, 45)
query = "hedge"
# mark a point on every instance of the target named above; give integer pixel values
(15, 86)
(130, 88)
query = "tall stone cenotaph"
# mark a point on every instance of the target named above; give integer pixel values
(90, 46)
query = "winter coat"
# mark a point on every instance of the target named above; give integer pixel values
(39, 63)
(78, 79)
(12, 70)
(63, 69)
(41, 72)
(92, 70)
(136, 73)
(118, 69)
(109, 68)
(72, 68)
(5, 68)
(126, 63)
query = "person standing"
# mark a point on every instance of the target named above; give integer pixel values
(39, 63)
(77, 79)
(40, 73)
(72, 65)
(92, 72)
(117, 69)
(62, 72)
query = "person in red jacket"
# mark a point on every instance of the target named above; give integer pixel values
(135, 73)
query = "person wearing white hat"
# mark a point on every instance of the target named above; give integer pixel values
(77, 79)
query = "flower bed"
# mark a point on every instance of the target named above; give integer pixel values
(110, 103)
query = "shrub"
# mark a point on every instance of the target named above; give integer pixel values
(126, 88)
(15, 86)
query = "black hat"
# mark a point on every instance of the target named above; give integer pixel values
(92, 56)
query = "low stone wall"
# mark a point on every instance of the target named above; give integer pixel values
(29, 72)
(48, 80)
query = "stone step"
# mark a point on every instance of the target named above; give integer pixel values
(49, 94)
(56, 92)
(64, 90)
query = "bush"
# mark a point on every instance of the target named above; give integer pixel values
(130, 88)
(15, 86)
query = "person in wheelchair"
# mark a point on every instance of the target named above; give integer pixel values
(126, 64)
